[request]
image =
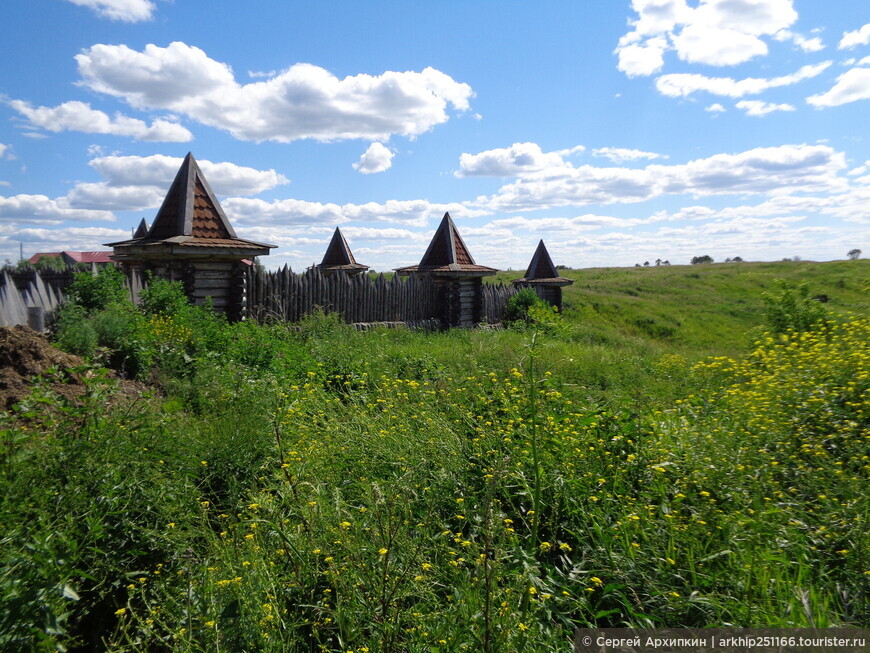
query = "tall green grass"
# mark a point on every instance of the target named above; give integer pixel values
(320, 488)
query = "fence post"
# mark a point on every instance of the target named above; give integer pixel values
(36, 318)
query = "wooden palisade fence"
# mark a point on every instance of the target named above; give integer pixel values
(286, 296)
(282, 295)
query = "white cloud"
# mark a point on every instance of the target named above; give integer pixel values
(4, 149)
(858, 37)
(642, 59)
(303, 101)
(158, 170)
(715, 32)
(620, 154)
(716, 46)
(563, 226)
(417, 213)
(129, 11)
(135, 183)
(812, 44)
(55, 240)
(851, 86)
(252, 211)
(377, 158)
(773, 170)
(715, 108)
(104, 196)
(759, 108)
(570, 151)
(389, 233)
(511, 161)
(80, 117)
(39, 208)
(684, 84)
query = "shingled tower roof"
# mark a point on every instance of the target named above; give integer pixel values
(190, 208)
(142, 229)
(339, 257)
(448, 254)
(190, 216)
(541, 269)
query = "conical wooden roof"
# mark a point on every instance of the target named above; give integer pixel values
(142, 229)
(190, 216)
(447, 254)
(338, 255)
(190, 208)
(541, 269)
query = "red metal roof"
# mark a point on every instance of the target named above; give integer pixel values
(35, 258)
(104, 256)
(91, 257)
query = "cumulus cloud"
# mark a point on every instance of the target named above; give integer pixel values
(301, 102)
(563, 226)
(851, 86)
(411, 212)
(253, 211)
(717, 46)
(388, 233)
(134, 183)
(377, 158)
(418, 213)
(715, 108)
(812, 44)
(773, 170)
(39, 208)
(620, 154)
(853, 39)
(80, 117)
(4, 149)
(103, 196)
(510, 161)
(224, 177)
(128, 11)
(759, 108)
(644, 58)
(715, 32)
(685, 84)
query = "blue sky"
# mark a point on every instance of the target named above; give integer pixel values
(619, 131)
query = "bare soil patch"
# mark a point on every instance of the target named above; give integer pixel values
(26, 354)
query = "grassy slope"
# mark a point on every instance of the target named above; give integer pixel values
(709, 308)
(624, 321)
(157, 499)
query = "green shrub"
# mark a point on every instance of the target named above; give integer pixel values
(791, 308)
(162, 297)
(75, 332)
(96, 292)
(518, 306)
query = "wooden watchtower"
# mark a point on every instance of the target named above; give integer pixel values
(544, 278)
(339, 258)
(192, 241)
(449, 263)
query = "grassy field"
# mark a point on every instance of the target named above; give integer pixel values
(684, 446)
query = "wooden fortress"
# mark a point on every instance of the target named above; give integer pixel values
(192, 241)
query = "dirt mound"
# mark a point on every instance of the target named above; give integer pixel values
(24, 354)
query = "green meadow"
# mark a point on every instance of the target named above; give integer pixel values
(683, 446)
